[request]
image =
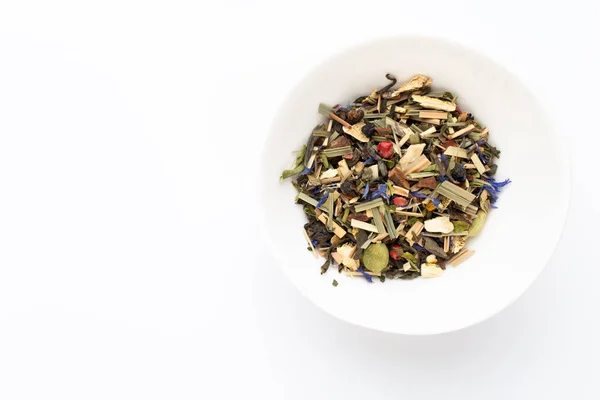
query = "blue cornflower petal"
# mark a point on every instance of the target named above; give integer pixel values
(419, 195)
(367, 276)
(493, 195)
(444, 159)
(345, 107)
(366, 191)
(442, 178)
(315, 243)
(307, 171)
(369, 160)
(322, 200)
(494, 187)
(380, 192)
(498, 185)
(417, 247)
(480, 154)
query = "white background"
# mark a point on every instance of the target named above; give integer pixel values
(129, 261)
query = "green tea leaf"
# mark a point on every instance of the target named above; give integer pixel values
(409, 257)
(460, 226)
(291, 172)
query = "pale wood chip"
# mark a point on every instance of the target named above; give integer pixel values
(456, 152)
(412, 153)
(433, 114)
(467, 129)
(330, 180)
(418, 165)
(461, 257)
(434, 103)
(400, 191)
(409, 213)
(337, 230)
(478, 164)
(427, 132)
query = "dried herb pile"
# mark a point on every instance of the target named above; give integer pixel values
(394, 183)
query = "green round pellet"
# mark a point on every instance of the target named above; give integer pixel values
(376, 257)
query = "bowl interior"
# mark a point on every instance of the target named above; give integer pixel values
(519, 236)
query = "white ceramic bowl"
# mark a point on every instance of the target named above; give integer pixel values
(518, 238)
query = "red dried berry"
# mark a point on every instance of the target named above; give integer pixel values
(396, 252)
(400, 201)
(385, 149)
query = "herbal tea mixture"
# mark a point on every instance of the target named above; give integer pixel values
(394, 183)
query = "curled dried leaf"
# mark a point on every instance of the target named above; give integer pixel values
(415, 83)
(356, 132)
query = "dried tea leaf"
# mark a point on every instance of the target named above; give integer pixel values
(432, 247)
(460, 226)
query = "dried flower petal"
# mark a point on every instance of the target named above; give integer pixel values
(431, 271)
(439, 224)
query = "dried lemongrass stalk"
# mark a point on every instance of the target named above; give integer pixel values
(310, 243)
(368, 205)
(364, 226)
(455, 193)
(378, 220)
(461, 257)
(427, 114)
(478, 164)
(456, 152)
